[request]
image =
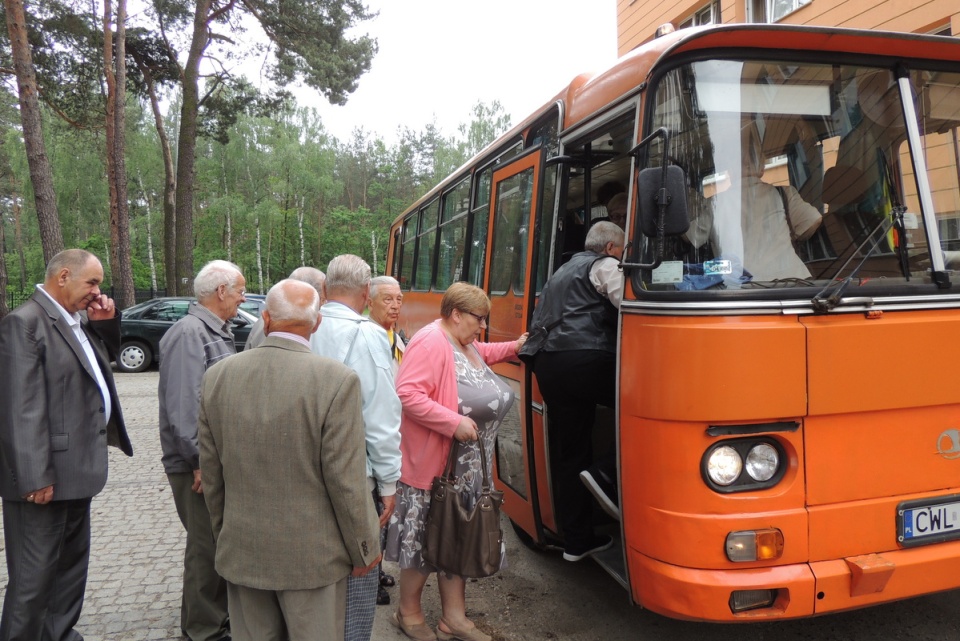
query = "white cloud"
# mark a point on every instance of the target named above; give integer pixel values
(437, 58)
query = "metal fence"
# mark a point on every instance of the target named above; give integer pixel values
(17, 298)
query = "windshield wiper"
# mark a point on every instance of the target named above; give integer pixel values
(824, 302)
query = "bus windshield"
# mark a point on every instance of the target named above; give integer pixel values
(801, 174)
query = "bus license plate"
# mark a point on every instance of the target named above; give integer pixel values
(928, 520)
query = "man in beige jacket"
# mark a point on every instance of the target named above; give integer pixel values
(284, 475)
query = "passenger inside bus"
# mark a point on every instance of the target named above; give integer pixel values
(752, 224)
(617, 210)
(575, 227)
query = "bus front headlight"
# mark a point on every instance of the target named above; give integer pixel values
(763, 460)
(724, 465)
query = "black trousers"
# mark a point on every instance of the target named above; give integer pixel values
(48, 553)
(573, 383)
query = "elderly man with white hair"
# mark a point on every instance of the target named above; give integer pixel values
(361, 344)
(197, 341)
(385, 302)
(309, 275)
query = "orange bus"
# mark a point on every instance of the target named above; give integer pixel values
(788, 422)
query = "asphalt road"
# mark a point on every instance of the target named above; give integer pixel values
(135, 572)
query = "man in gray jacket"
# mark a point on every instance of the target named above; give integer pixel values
(59, 410)
(197, 341)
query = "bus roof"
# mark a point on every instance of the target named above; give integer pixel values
(589, 94)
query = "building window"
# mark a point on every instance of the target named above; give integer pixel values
(772, 10)
(709, 14)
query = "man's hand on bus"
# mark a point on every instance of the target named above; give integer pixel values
(466, 430)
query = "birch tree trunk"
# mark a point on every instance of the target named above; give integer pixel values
(259, 256)
(41, 174)
(226, 195)
(150, 259)
(300, 213)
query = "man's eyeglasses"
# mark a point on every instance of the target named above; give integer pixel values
(482, 319)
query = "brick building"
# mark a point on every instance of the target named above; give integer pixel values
(637, 20)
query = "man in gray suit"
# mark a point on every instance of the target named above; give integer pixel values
(284, 475)
(194, 344)
(58, 413)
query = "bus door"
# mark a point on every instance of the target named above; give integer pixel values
(513, 206)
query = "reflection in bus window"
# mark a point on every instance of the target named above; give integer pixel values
(509, 253)
(409, 245)
(425, 245)
(836, 136)
(453, 231)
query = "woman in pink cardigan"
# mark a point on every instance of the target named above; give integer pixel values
(448, 392)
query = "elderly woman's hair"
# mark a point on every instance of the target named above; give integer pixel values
(282, 308)
(379, 281)
(465, 297)
(602, 233)
(347, 273)
(72, 259)
(214, 274)
(311, 276)
(617, 201)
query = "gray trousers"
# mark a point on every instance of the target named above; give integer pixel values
(203, 607)
(287, 615)
(48, 553)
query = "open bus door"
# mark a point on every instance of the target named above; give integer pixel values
(512, 221)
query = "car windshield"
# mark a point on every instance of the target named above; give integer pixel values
(799, 174)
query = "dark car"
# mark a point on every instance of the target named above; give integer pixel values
(143, 325)
(254, 304)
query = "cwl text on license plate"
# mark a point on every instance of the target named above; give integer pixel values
(928, 520)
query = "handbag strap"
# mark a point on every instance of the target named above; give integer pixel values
(452, 459)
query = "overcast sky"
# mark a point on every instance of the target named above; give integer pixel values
(437, 58)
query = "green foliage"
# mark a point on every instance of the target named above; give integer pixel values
(274, 174)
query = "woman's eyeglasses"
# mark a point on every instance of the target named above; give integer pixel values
(482, 319)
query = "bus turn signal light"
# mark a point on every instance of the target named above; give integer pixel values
(755, 545)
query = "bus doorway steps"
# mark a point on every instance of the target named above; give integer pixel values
(612, 561)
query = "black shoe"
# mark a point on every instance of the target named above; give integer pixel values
(387, 580)
(383, 597)
(596, 544)
(603, 489)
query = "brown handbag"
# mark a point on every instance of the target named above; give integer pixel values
(466, 543)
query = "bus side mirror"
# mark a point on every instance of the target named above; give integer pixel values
(662, 192)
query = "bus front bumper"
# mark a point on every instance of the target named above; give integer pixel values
(802, 589)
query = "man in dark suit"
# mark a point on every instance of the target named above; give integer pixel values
(59, 411)
(282, 449)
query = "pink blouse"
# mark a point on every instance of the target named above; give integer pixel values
(427, 387)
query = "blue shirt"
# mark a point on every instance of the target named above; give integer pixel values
(361, 345)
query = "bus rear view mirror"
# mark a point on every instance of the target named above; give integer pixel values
(662, 191)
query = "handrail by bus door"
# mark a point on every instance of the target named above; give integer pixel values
(514, 204)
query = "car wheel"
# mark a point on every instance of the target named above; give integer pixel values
(134, 357)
